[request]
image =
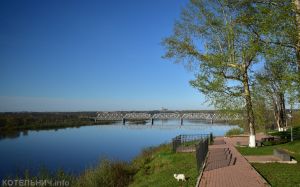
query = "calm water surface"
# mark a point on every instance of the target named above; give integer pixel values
(74, 149)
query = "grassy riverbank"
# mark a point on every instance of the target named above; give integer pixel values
(153, 167)
(275, 173)
(156, 168)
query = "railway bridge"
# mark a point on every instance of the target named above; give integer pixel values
(129, 116)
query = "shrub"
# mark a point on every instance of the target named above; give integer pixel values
(234, 131)
(287, 134)
(107, 173)
(277, 142)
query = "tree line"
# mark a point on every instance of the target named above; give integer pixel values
(17, 121)
(245, 55)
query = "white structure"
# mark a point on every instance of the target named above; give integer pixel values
(252, 141)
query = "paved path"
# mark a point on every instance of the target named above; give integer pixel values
(236, 173)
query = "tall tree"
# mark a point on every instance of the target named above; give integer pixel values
(275, 94)
(211, 37)
(296, 9)
(262, 111)
(277, 81)
(276, 23)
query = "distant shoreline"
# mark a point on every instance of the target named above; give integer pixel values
(14, 123)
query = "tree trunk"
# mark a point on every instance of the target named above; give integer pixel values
(276, 111)
(279, 110)
(249, 109)
(282, 111)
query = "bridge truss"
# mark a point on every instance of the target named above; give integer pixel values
(207, 116)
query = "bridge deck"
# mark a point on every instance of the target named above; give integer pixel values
(161, 116)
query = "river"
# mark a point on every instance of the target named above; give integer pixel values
(74, 149)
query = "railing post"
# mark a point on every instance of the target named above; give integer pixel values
(211, 138)
(176, 142)
(201, 151)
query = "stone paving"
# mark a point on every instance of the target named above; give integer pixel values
(228, 168)
(262, 158)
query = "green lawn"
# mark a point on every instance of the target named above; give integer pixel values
(163, 164)
(266, 150)
(278, 175)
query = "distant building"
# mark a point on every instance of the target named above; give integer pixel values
(164, 109)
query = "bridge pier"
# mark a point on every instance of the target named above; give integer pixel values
(152, 121)
(124, 121)
(212, 121)
(181, 121)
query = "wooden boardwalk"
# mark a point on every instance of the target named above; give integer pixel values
(225, 166)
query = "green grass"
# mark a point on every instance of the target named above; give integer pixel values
(160, 167)
(278, 175)
(190, 143)
(266, 150)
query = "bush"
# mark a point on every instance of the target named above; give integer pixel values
(277, 142)
(108, 173)
(44, 174)
(287, 134)
(234, 131)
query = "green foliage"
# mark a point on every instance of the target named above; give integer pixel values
(229, 50)
(295, 120)
(277, 142)
(263, 115)
(44, 174)
(274, 22)
(222, 40)
(276, 83)
(107, 173)
(287, 134)
(12, 124)
(234, 131)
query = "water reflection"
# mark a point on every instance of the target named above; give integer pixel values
(10, 135)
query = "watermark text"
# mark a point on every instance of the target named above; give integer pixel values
(28, 182)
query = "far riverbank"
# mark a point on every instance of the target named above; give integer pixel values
(14, 123)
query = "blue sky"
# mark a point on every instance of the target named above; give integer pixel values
(90, 55)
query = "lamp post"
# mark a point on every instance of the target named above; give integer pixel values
(290, 116)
